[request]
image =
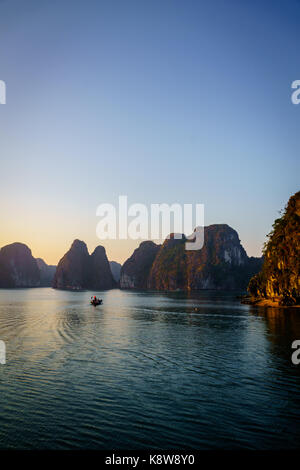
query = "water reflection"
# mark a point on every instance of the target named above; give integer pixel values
(167, 370)
(283, 327)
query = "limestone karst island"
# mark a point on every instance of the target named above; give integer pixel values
(150, 231)
(222, 264)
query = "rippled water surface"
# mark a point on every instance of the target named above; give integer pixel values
(146, 370)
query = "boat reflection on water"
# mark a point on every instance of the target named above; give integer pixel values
(146, 369)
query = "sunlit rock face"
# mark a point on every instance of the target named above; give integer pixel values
(222, 263)
(18, 268)
(279, 279)
(168, 271)
(79, 270)
(135, 271)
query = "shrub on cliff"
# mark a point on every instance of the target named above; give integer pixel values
(279, 278)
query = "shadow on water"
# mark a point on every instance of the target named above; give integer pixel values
(283, 327)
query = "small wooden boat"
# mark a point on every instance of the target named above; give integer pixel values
(96, 302)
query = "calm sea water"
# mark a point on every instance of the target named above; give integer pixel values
(146, 370)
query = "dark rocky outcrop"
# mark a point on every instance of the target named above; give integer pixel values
(222, 263)
(47, 273)
(168, 271)
(18, 268)
(100, 276)
(73, 269)
(135, 271)
(279, 280)
(115, 270)
(79, 270)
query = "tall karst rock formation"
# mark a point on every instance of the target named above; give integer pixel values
(222, 263)
(79, 270)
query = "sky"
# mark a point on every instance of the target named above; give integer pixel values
(162, 101)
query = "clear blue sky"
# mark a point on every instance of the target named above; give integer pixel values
(164, 101)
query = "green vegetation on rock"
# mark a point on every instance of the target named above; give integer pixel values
(222, 263)
(279, 279)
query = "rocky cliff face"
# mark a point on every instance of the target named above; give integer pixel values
(168, 271)
(222, 263)
(135, 271)
(279, 279)
(18, 268)
(73, 269)
(78, 270)
(115, 270)
(47, 273)
(100, 276)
